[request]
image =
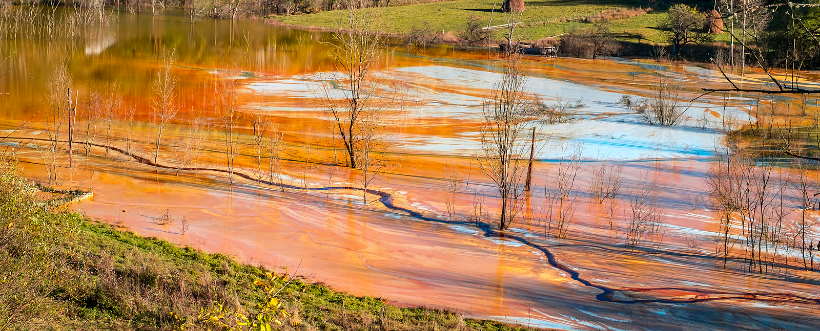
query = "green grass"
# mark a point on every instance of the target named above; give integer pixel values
(548, 16)
(59, 270)
(646, 27)
(543, 18)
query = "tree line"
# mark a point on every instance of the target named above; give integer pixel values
(217, 8)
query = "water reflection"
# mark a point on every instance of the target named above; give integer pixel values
(127, 50)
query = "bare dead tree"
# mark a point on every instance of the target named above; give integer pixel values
(558, 112)
(307, 167)
(761, 208)
(750, 197)
(645, 217)
(234, 8)
(664, 107)
(453, 182)
(501, 138)
(193, 10)
(164, 104)
(227, 108)
(192, 142)
(354, 50)
(478, 207)
(749, 194)
(63, 110)
(94, 108)
(724, 185)
(560, 202)
(112, 103)
(72, 125)
(606, 182)
(805, 225)
(260, 132)
(273, 144)
(611, 209)
(130, 122)
(369, 163)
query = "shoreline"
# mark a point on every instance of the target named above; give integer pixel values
(699, 54)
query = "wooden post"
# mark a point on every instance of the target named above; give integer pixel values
(529, 166)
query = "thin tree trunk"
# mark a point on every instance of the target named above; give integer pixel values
(529, 165)
(503, 223)
(71, 112)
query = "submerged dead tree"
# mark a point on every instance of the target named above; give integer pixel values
(113, 102)
(754, 203)
(227, 109)
(805, 225)
(63, 112)
(260, 128)
(354, 52)
(191, 143)
(369, 163)
(267, 139)
(64, 101)
(644, 217)
(664, 108)
(606, 182)
(502, 139)
(93, 111)
(560, 203)
(164, 106)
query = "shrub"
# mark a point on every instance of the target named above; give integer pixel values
(685, 25)
(558, 112)
(590, 43)
(663, 108)
(474, 32)
(422, 37)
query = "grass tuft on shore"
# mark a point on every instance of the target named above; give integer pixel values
(59, 270)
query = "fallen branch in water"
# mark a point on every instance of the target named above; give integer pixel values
(787, 91)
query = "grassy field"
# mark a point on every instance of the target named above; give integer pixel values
(59, 270)
(542, 18)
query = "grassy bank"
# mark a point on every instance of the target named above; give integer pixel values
(541, 19)
(59, 270)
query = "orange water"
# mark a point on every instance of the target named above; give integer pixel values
(363, 248)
